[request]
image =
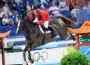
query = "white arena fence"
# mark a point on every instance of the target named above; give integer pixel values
(49, 54)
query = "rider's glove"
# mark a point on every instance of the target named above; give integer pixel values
(36, 23)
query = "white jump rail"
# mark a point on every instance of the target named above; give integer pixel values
(54, 49)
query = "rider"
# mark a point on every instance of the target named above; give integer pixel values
(42, 16)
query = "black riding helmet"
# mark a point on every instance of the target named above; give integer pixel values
(34, 7)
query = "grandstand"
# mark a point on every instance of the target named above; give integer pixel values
(21, 8)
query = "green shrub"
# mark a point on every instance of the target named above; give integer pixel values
(74, 58)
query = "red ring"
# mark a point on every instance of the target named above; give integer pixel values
(46, 53)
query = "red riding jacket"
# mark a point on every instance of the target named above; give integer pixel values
(42, 16)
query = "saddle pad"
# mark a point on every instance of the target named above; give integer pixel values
(42, 31)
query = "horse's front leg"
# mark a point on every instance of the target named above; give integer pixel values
(24, 52)
(26, 49)
(34, 45)
(29, 55)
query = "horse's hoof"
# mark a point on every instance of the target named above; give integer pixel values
(31, 61)
(73, 38)
(24, 59)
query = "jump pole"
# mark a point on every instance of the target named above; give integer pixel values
(2, 35)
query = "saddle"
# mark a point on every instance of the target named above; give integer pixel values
(50, 28)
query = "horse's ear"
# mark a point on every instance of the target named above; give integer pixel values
(24, 15)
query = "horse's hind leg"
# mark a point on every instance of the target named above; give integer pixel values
(72, 36)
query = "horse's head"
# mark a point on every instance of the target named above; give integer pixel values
(20, 26)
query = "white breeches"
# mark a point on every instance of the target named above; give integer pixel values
(46, 23)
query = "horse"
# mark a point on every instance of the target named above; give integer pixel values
(35, 38)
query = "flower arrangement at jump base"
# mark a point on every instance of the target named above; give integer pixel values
(74, 58)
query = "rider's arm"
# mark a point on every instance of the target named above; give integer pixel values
(31, 16)
(42, 20)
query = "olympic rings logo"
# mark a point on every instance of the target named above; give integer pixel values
(37, 56)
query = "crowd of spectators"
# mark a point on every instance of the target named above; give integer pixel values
(12, 10)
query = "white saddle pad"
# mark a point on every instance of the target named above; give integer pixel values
(43, 30)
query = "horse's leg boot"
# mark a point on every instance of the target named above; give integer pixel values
(72, 36)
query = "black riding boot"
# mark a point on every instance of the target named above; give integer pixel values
(52, 29)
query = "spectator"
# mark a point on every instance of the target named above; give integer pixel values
(1, 13)
(9, 14)
(24, 2)
(43, 1)
(15, 17)
(63, 6)
(57, 2)
(1, 3)
(37, 2)
(31, 2)
(89, 4)
(42, 7)
(73, 12)
(18, 1)
(4, 1)
(86, 6)
(49, 3)
(6, 8)
(50, 0)
(54, 9)
(12, 5)
(6, 20)
(28, 8)
(72, 4)
(20, 8)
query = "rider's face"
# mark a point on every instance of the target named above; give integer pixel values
(35, 12)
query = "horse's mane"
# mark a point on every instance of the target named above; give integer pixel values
(27, 20)
(29, 25)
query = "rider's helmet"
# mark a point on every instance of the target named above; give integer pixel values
(34, 7)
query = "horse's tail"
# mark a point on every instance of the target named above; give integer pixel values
(69, 23)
